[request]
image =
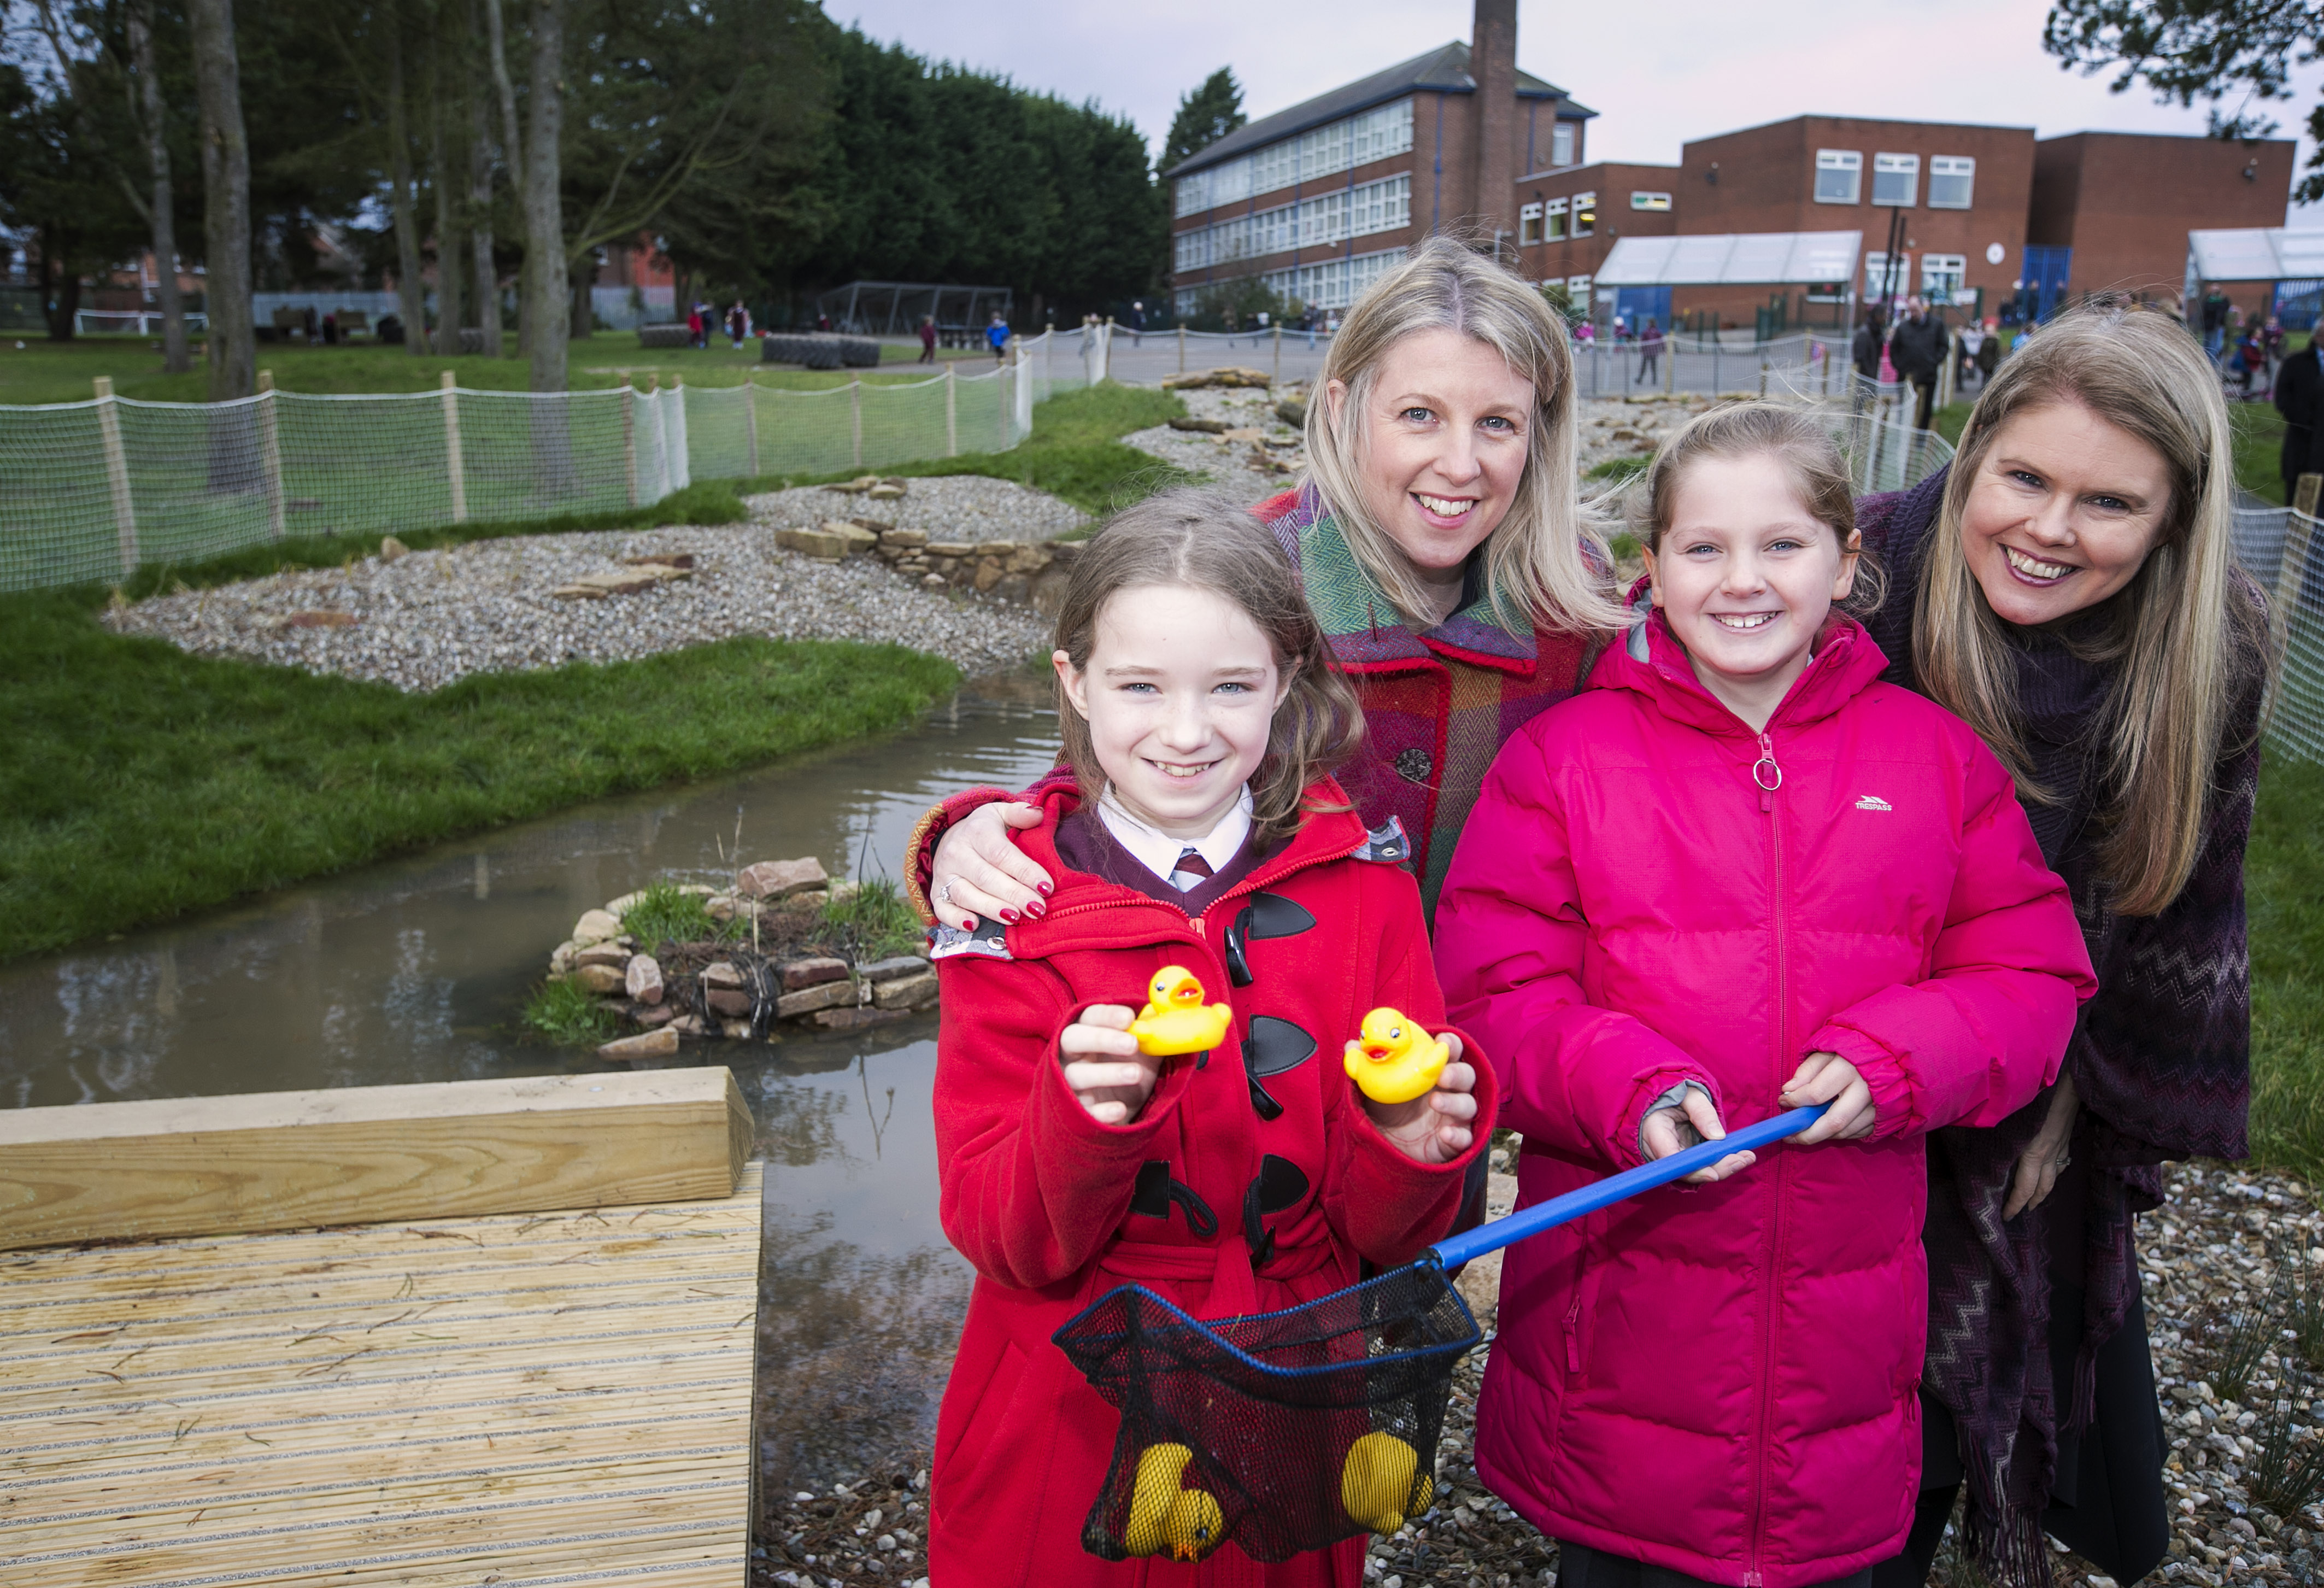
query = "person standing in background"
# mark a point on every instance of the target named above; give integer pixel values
(1871, 336)
(997, 335)
(1972, 340)
(1918, 350)
(1650, 354)
(2299, 386)
(927, 338)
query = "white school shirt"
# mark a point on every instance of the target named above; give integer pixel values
(1159, 852)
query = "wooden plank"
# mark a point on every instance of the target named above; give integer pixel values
(282, 1160)
(554, 1422)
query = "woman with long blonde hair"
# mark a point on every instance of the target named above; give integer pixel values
(1442, 545)
(2068, 588)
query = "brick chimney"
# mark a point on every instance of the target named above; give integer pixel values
(1493, 63)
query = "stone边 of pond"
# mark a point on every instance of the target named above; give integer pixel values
(416, 970)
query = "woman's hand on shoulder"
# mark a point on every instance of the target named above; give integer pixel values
(1437, 1126)
(1108, 1074)
(1826, 1078)
(978, 871)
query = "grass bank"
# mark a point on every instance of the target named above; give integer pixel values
(41, 371)
(1074, 452)
(143, 782)
(2283, 880)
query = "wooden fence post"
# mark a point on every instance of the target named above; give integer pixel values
(116, 472)
(630, 433)
(952, 414)
(270, 452)
(751, 413)
(1181, 349)
(456, 468)
(855, 419)
(1278, 355)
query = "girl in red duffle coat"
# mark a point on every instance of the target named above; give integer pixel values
(1199, 713)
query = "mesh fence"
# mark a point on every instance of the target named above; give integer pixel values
(91, 491)
(2283, 551)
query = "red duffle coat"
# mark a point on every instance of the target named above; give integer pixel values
(1040, 1197)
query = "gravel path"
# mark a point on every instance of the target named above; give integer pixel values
(1229, 465)
(949, 507)
(432, 617)
(2209, 1257)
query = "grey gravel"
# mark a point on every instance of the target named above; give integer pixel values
(433, 617)
(1228, 465)
(952, 507)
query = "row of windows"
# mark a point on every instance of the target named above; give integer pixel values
(1942, 276)
(1560, 218)
(1896, 179)
(1384, 206)
(1335, 284)
(1312, 155)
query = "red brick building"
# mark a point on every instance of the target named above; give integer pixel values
(1568, 220)
(2123, 203)
(1317, 201)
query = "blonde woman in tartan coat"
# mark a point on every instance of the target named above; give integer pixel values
(1442, 546)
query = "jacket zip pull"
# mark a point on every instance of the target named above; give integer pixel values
(1573, 1337)
(1767, 772)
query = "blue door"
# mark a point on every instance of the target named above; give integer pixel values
(2047, 270)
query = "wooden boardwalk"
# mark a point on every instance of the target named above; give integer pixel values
(532, 1399)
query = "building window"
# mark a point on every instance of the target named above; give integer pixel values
(1840, 176)
(1896, 179)
(1553, 221)
(1879, 281)
(1577, 290)
(1941, 276)
(1585, 214)
(1953, 180)
(1650, 200)
(1561, 144)
(1529, 225)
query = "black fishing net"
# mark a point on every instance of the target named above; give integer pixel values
(1285, 1432)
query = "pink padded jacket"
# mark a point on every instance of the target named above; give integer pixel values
(1720, 1380)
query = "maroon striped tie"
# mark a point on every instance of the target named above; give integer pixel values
(1189, 869)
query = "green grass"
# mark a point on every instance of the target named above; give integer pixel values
(141, 783)
(1074, 451)
(41, 371)
(1617, 470)
(664, 915)
(2284, 883)
(873, 920)
(569, 1014)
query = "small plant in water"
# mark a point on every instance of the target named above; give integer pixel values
(875, 921)
(567, 1014)
(664, 915)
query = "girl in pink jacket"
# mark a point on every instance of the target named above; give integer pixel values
(1735, 875)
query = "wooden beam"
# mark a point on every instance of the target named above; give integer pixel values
(284, 1160)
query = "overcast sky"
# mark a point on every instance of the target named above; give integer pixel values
(1658, 72)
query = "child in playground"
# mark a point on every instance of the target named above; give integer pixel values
(1739, 874)
(1201, 716)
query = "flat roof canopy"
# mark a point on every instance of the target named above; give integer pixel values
(2256, 254)
(1732, 259)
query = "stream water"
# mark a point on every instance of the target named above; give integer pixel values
(415, 970)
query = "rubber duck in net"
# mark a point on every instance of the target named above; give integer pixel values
(1381, 1483)
(1393, 1059)
(1164, 1516)
(1174, 1018)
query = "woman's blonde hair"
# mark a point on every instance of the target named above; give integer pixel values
(1535, 568)
(1193, 539)
(2185, 640)
(1801, 442)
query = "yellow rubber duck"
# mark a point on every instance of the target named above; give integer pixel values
(1393, 1060)
(1381, 1483)
(1187, 1522)
(1176, 1020)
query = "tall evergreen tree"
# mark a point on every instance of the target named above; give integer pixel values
(1205, 115)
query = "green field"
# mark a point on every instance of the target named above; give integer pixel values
(33, 370)
(2283, 880)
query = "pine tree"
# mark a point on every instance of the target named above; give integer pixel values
(1205, 116)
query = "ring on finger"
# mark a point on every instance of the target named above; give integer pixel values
(943, 894)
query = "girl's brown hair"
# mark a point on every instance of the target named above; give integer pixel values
(1193, 540)
(1541, 561)
(1806, 447)
(2185, 640)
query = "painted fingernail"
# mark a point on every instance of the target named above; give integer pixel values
(1047, 888)
(1035, 908)
(1009, 915)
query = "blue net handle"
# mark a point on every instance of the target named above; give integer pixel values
(1614, 1188)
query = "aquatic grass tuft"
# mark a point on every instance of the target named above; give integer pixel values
(874, 921)
(663, 914)
(1620, 470)
(569, 1014)
(2288, 1473)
